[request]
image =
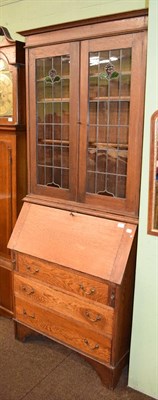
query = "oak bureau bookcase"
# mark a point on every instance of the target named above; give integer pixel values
(74, 244)
(12, 154)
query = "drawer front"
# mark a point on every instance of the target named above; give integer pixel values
(63, 278)
(87, 312)
(65, 331)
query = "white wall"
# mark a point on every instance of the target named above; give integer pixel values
(143, 372)
(18, 15)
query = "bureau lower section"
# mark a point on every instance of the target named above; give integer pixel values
(88, 314)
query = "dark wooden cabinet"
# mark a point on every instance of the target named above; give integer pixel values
(12, 156)
(74, 244)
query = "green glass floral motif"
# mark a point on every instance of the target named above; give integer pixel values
(52, 77)
(109, 73)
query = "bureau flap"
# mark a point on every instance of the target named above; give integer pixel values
(93, 245)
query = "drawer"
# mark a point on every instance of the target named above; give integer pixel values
(64, 330)
(64, 278)
(87, 312)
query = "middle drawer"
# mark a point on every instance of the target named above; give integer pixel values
(72, 306)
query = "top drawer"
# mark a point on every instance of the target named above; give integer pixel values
(63, 278)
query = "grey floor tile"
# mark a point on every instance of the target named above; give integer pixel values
(41, 369)
(23, 365)
(75, 379)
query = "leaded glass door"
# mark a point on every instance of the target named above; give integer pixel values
(85, 122)
(110, 141)
(54, 113)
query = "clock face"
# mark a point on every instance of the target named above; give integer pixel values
(6, 94)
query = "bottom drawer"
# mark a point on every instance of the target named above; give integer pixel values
(64, 330)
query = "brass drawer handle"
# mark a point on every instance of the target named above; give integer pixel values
(93, 319)
(92, 348)
(30, 316)
(28, 290)
(35, 271)
(92, 290)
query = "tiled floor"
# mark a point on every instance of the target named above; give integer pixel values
(41, 369)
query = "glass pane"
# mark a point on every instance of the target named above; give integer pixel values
(126, 60)
(113, 112)
(57, 133)
(125, 85)
(91, 182)
(65, 88)
(40, 175)
(93, 113)
(108, 128)
(103, 113)
(40, 154)
(48, 131)
(65, 65)
(92, 135)
(65, 113)
(122, 162)
(57, 91)
(52, 93)
(57, 156)
(65, 157)
(103, 87)
(40, 90)
(101, 160)
(65, 178)
(40, 112)
(47, 64)
(111, 184)
(102, 134)
(48, 112)
(91, 159)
